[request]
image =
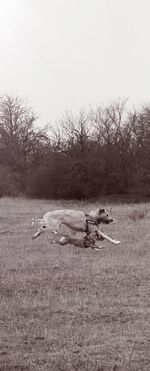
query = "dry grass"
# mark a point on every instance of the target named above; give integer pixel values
(70, 309)
(138, 213)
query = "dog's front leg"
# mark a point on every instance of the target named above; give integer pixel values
(103, 236)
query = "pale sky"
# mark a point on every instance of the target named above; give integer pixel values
(63, 55)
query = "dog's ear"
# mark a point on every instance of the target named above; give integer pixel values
(101, 211)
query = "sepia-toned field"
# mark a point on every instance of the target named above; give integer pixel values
(72, 309)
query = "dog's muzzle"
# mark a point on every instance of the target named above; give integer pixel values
(107, 221)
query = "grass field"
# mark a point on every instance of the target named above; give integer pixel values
(72, 309)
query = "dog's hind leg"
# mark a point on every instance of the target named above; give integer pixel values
(79, 242)
(64, 240)
(76, 241)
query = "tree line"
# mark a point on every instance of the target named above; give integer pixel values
(101, 151)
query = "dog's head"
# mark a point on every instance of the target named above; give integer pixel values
(99, 216)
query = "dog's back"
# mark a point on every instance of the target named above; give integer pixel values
(73, 219)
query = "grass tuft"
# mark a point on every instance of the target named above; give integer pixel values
(137, 214)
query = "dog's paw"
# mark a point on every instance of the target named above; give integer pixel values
(116, 242)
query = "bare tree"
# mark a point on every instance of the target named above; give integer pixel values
(19, 139)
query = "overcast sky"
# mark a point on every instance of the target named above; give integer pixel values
(67, 54)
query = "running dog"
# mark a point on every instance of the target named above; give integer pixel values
(77, 221)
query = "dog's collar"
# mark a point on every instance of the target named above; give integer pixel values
(91, 222)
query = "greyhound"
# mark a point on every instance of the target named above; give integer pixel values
(77, 221)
